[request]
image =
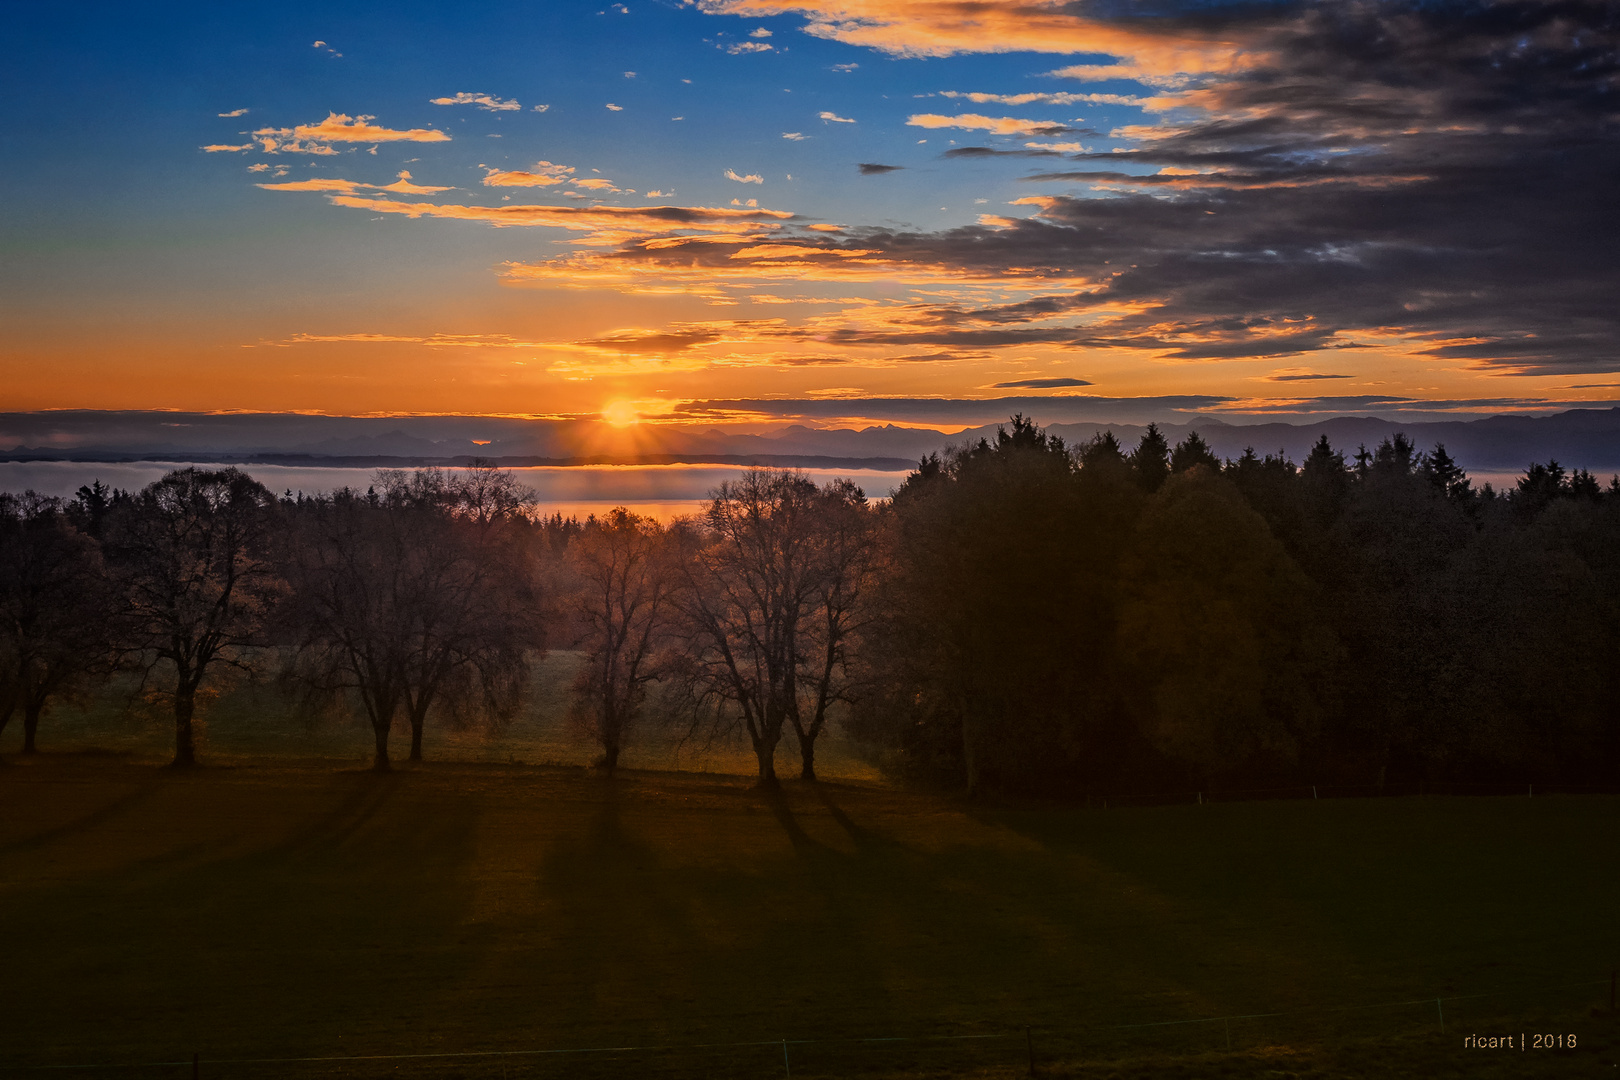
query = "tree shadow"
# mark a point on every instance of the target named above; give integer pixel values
(94, 819)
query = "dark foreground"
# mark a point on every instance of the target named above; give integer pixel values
(683, 926)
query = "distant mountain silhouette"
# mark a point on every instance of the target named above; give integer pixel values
(1583, 438)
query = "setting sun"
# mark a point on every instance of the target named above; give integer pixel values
(620, 413)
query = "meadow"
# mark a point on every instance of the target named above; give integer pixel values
(683, 925)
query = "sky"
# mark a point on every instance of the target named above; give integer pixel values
(831, 212)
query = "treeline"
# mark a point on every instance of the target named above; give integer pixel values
(1023, 616)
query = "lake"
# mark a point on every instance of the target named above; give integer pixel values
(661, 491)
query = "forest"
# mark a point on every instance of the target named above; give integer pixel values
(1022, 617)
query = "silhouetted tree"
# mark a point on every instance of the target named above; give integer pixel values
(1227, 667)
(193, 554)
(55, 608)
(1001, 609)
(1193, 450)
(1325, 482)
(1396, 610)
(847, 564)
(1446, 475)
(769, 601)
(1102, 455)
(1150, 461)
(626, 571)
(414, 597)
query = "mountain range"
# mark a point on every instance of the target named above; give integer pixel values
(1578, 438)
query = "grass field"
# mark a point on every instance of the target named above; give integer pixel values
(282, 911)
(250, 722)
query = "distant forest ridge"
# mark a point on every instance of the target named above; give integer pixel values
(1579, 438)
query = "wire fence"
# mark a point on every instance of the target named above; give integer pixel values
(1026, 1047)
(1420, 788)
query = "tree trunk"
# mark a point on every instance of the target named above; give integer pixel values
(30, 725)
(807, 757)
(970, 761)
(765, 750)
(610, 757)
(379, 763)
(416, 738)
(185, 705)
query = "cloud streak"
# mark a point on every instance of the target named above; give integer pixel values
(544, 174)
(1435, 176)
(999, 125)
(338, 127)
(486, 102)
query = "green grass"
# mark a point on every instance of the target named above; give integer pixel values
(276, 911)
(246, 722)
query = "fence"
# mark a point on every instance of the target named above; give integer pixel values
(1298, 792)
(1020, 1049)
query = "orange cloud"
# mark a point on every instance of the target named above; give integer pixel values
(316, 184)
(404, 186)
(700, 265)
(338, 127)
(949, 27)
(604, 224)
(487, 102)
(1000, 125)
(401, 186)
(1046, 99)
(221, 148)
(545, 175)
(463, 341)
(1104, 72)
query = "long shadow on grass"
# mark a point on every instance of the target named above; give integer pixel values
(95, 818)
(317, 921)
(728, 933)
(1262, 906)
(716, 933)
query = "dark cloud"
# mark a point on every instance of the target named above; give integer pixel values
(1039, 384)
(1074, 408)
(845, 358)
(675, 339)
(1054, 409)
(1443, 171)
(872, 168)
(1303, 377)
(987, 152)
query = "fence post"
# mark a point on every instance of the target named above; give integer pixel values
(1313, 791)
(1029, 1044)
(1611, 991)
(196, 1066)
(1441, 1010)
(785, 1064)
(1227, 1024)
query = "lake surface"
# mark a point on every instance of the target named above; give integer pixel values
(661, 491)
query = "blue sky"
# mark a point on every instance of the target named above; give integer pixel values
(144, 270)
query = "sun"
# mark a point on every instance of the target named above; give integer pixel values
(620, 413)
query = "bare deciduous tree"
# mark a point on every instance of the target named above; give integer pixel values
(625, 578)
(416, 598)
(54, 606)
(772, 600)
(846, 557)
(193, 554)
